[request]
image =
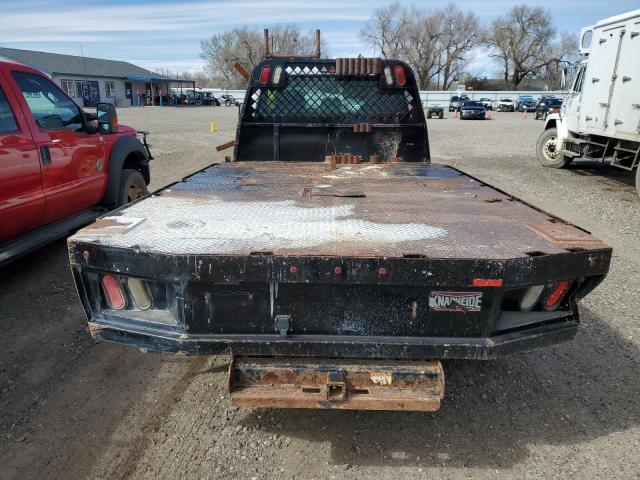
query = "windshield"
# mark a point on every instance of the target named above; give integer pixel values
(473, 104)
(455, 99)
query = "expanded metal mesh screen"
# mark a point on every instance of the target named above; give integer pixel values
(314, 95)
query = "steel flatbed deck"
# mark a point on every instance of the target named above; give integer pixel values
(304, 209)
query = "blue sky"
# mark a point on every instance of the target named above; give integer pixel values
(156, 34)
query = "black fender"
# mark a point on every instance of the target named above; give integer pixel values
(127, 152)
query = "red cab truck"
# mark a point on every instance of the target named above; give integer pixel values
(60, 167)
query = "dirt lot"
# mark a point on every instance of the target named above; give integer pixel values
(70, 408)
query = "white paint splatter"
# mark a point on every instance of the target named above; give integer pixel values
(179, 225)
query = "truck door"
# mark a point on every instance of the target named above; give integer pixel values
(21, 195)
(624, 116)
(572, 103)
(603, 60)
(72, 159)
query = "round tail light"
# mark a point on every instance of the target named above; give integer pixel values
(531, 297)
(557, 293)
(387, 76)
(139, 293)
(264, 74)
(113, 292)
(401, 78)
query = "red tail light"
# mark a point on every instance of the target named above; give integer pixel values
(558, 292)
(264, 75)
(113, 292)
(401, 79)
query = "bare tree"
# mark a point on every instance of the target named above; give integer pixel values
(385, 30)
(420, 44)
(522, 41)
(435, 43)
(246, 47)
(222, 51)
(460, 34)
(565, 60)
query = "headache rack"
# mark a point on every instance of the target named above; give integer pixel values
(322, 107)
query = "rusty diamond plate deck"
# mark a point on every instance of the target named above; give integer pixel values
(355, 210)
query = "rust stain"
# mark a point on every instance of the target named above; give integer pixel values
(381, 378)
(95, 329)
(272, 382)
(558, 232)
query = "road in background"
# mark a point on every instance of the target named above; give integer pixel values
(70, 408)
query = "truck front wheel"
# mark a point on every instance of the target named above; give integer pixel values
(547, 150)
(132, 186)
(638, 180)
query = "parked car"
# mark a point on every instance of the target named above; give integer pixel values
(505, 105)
(487, 102)
(206, 98)
(454, 103)
(522, 99)
(546, 98)
(229, 100)
(526, 103)
(435, 111)
(549, 105)
(472, 110)
(60, 167)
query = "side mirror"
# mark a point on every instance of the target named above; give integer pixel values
(107, 118)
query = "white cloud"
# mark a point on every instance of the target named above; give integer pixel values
(166, 35)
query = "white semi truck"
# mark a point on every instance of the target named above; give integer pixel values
(600, 119)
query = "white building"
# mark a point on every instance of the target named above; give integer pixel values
(91, 80)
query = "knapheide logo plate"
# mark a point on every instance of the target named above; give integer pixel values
(455, 301)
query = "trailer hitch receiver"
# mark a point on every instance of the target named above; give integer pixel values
(283, 382)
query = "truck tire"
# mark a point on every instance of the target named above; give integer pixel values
(638, 180)
(441, 114)
(132, 186)
(428, 115)
(546, 150)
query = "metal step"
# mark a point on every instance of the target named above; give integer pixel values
(296, 382)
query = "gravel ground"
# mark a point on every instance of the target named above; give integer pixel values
(70, 408)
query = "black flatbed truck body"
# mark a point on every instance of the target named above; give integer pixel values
(240, 245)
(334, 285)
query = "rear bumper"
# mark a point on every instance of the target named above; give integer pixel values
(338, 346)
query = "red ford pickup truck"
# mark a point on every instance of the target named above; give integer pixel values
(60, 168)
